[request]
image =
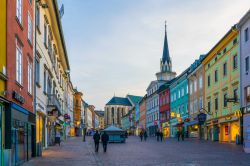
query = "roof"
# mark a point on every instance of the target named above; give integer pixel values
(134, 99)
(165, 86)
(99, 113)
(119, 101)
(165, 55)
(112, 128)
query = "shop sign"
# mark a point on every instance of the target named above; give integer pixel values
(66, 116)
(187, 120)
(228, 118)
(172, 114)
(18, 97)
(202, 118)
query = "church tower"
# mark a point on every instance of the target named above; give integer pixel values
(166, 72)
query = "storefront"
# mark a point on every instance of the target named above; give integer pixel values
(246, 129)
(40, 132)
(166, 129)
(229, 129)
(193, 129)
(20, 137)
(173, 130)
(212, 130)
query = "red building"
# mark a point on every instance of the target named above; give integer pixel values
(164, 104)
(142, 120)
(20, 119)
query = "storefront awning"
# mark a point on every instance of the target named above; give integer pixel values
(191, 123)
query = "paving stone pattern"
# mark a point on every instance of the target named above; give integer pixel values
(190, 152)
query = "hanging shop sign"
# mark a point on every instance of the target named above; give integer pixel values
(18, 97)
(172, 114)
(202, 118)
(66, 116)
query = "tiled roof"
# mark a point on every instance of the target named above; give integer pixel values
(119, 101)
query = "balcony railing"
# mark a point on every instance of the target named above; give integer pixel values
(53, 102)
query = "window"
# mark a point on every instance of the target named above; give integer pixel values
(179, 93)
(247, 64)
(201, 102)
(44, 81)
(45, 34)
(216, 103)
(225, 50)
(191, 87)
(236, 94)
(30, 2)
(29, 28)
(195, 105)
(30, 78)
(50, 47)
(200, 82)
(191, 107)
(224, 69)
(208, 80)
(37, 71)
(235, 62)
(19, 65)
(215, 75)
(37, 16)
(246, 35)
(234, 41)
(182, 91)
(209, 106)
(187, 89)
(19, 11)
(225, 100)
(195, 85)
(215, 59)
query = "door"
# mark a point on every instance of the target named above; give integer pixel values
(215, 133)
(1, 145)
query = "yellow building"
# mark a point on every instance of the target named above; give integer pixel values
(2, 70)
(222, 78)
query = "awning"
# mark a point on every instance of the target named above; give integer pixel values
(191, 123)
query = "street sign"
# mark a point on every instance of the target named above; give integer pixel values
(202, 118)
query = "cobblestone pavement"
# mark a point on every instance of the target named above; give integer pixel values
(74, 152)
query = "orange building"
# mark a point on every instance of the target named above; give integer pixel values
(77, 111)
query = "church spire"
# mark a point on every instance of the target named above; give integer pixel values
(166, 61)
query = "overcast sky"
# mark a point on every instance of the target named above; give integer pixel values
(115, 46)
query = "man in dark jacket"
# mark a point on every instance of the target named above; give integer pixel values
(105, 140)
(96, 138)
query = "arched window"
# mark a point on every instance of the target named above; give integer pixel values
(118, 116)
(113, 114)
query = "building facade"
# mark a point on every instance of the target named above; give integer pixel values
(3, 78)
(116, 108)
(222, 81)
(178, 102)
(164, 103)
(196, 98)
(20, 118)
(143, 109)
(244, 27)
(165, 74)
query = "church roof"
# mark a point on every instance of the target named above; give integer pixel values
(119, 101)
(165, 55)
(134, 99)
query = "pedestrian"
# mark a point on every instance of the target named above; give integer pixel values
(58, 138)
(161, 135)
(105, 140)
(178, 134)
(126, 134)
(141, 135)
(182, 134)
(157, 135)
(145, 135)
(96, 138)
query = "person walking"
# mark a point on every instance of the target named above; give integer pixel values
(58, 138)
(157, 135)
(141, 135)
(96, 138)
(145, 135)
(161, 135)
(178, 134)
(105, 140)
(182, 134)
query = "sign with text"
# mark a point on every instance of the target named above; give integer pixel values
(201, 118)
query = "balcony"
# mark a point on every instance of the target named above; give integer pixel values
(54, 104)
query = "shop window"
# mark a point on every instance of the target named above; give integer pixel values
(247, 89)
